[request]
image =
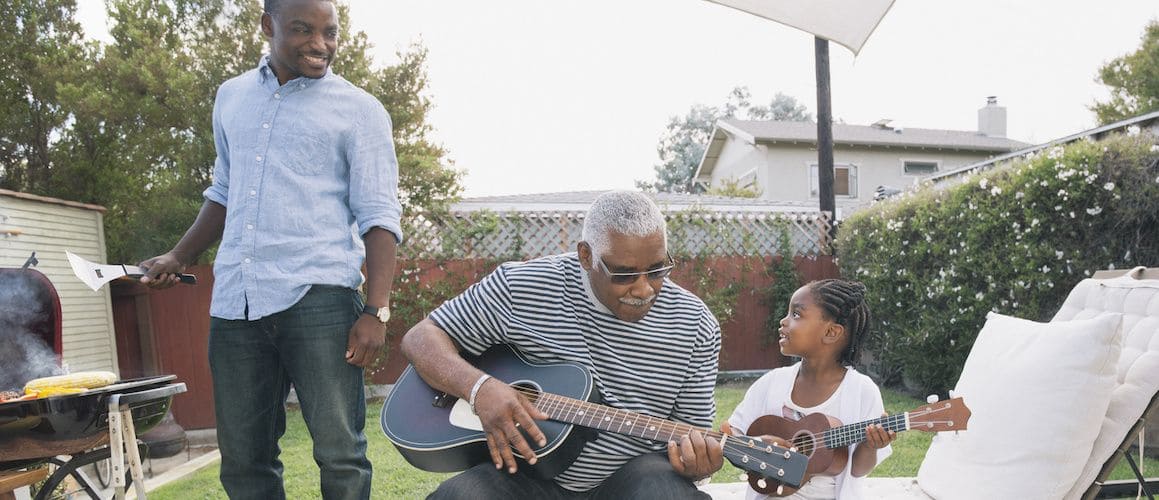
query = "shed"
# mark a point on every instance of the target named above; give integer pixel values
(49, 227)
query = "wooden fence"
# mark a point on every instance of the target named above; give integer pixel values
(168, 331)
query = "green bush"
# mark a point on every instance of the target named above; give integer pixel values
(786, 281)
(1014, 239)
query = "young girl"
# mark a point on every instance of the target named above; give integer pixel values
(826, 323)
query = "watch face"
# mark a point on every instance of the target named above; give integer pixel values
(384, 314)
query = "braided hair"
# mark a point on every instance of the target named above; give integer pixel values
(844, 302)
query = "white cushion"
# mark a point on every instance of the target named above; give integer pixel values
(1038, 393)
(1137, 383)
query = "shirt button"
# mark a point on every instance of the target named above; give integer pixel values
(253, 192)
(249, 226)
(247, 261)
(277, 96)
(258, 158)
(266, 125)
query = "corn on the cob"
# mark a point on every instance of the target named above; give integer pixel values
(49, 392)
(79, 380)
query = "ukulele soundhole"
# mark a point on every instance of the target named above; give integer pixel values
(805, 442)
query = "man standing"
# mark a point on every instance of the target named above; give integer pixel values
(305, 187)
(650, 346)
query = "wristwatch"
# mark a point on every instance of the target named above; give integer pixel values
(382, 313)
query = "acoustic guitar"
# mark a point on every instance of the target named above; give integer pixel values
(438, 433)
(826, 441)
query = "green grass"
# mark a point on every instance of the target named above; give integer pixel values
(395, 478)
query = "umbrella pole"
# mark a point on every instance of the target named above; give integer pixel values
(824, 135)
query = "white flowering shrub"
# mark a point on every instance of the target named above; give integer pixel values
(1015, 239)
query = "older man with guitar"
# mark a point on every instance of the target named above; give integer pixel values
(647, 347)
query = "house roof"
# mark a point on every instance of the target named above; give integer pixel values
(54, 201)
(767, 131)
(782, 132)
(579, 201)
(1150, 120)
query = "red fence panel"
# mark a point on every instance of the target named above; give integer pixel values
(167, 331)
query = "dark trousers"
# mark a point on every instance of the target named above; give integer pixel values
(254, 364)
(643, 477)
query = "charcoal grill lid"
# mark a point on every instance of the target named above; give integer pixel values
(44, 299)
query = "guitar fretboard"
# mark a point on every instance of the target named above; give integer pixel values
(846, 435)
(586, 414)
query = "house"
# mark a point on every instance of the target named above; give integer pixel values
(780, 158)
(49, 227)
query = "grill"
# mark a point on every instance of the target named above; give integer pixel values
(87, 427)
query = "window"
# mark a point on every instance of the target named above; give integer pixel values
(919, 167)
(844, 180)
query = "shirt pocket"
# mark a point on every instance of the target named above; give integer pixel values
(308, 155)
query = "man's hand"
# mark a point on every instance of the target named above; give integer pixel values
(695, 456)
(503, 413)
(161, 271)
(365, 340)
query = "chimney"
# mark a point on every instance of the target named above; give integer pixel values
(992, 118)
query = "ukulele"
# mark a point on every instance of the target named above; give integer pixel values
(826, 441)
(439, 433)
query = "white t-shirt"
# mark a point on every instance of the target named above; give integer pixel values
(857, 399)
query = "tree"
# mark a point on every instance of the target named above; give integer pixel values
(43, 46)
(136, 134)
(732, 188)
(683, 143)
(1133, 80)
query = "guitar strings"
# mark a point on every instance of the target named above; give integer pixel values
(554, 402)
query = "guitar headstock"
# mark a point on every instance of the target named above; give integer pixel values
(947, 415)
(772, 461)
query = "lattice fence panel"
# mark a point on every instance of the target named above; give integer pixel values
(523, 235)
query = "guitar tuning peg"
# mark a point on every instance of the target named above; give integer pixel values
(952, 394)
(742, 477)
(932, 398)
(761, 482)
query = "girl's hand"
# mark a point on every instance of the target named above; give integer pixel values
(877, 437)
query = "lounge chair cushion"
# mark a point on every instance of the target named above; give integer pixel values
(1136, 380)
(1037, 392)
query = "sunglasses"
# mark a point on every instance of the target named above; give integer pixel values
(629, 278)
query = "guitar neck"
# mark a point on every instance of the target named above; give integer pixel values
(846, 435)
(606, 418)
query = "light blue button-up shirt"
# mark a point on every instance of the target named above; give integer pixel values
(303, 169)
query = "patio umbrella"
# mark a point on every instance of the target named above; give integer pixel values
(847, 22)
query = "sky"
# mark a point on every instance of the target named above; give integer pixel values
(534, 96)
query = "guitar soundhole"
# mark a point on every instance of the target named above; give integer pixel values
(529, 389)
(805, 442)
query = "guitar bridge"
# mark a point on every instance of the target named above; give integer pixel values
(443, 400)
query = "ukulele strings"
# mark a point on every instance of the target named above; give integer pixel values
(855, 431)
(556, 402)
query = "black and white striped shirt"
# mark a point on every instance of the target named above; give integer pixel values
(663, 365)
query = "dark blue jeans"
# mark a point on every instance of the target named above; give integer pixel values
(254, 363)
(644, 477)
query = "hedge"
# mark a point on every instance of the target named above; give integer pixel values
(1014, 239)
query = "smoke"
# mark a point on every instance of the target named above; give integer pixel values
(25, 318)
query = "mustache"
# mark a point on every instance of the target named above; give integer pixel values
(638, 302)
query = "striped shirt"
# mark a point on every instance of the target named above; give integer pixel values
(663, 365)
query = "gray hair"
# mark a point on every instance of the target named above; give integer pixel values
(630, 213)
